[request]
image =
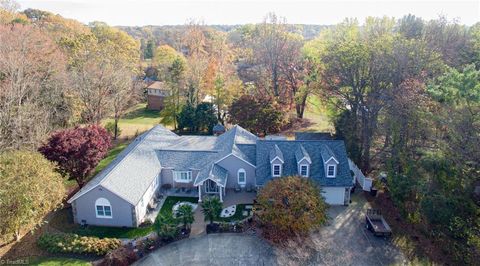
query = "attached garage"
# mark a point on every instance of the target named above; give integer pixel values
(334, 195)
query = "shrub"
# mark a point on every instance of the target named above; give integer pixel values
(122, 256)
(72, 243)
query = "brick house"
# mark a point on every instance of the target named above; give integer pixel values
(156, 94)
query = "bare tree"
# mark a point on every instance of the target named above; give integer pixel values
(31, 86)
(125, 93)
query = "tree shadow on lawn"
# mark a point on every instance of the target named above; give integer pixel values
(141, 112)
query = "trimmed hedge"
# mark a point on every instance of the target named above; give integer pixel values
(72, 243)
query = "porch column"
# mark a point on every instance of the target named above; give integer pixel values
(199, 193)
(221, 199)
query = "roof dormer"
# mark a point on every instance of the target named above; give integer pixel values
(276, 161)
(303, 161)
(330, 162)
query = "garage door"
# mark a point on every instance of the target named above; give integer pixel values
(334, 195)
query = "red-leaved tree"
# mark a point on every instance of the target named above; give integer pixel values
(77, 150)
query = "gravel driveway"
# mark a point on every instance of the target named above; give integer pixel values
(345, 241)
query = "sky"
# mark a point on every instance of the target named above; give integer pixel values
(231, 12)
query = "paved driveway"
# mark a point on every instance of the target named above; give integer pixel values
(214, 249)
(344, 241)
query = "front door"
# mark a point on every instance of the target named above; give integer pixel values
(211, 186)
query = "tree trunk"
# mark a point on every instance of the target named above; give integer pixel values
(115, 130)
(300, 107)
(275, 82)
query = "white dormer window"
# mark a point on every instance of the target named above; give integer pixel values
(277, 170)
(304, 170)
(331, 169)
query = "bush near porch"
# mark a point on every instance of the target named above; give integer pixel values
(63, 221)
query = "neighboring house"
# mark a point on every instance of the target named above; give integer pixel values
(156, 94)
(119, 195)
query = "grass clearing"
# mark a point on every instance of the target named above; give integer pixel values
(136, 121)
(317, 114)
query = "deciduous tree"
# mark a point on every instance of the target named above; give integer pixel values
(290, 206)
(260, 116)
(77, 150)
(29, 189)
(32, 87)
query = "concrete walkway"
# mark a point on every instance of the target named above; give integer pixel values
(198, 226)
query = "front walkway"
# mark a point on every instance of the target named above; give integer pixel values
(231, 198)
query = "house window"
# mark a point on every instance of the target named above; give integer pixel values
(103, 209)
(331, 171)
(182, 176)
(304, 170)
(242, 177)
(277, 170)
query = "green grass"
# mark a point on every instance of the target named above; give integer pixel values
(121, 232)
(237, 216)
(317, 114)
(54, 261)
(137, 120)
(170, 201)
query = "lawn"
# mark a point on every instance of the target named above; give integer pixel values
(64, 222)
(49, 261)
(317, 114)
(170, 201)
(137, 120)
(237, 216)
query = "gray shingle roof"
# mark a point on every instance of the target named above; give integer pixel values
(245, 151)
(327, 153)
(134, 169)
(218, 128)
(313, 136)
(138, 160)
(317, 171)
(301, 153)
(275, 152)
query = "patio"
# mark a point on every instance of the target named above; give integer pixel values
(180, 192)
(242, 197)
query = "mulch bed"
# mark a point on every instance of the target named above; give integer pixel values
(422, 245)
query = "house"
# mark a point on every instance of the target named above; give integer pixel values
(205, 165)
(156, 94)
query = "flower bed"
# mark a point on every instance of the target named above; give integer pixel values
(72, 243)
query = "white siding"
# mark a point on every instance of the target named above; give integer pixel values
(141, 208)
(334, 195)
